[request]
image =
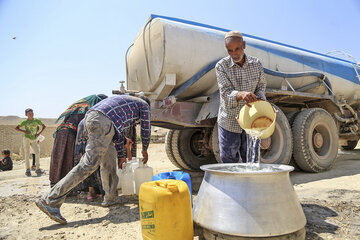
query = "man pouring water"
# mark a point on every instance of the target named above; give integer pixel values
(241, 80)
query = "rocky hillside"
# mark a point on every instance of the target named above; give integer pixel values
(15, 120)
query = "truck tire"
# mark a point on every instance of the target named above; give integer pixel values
(215, 142)
(351, 145)
(280, 149)
(176, 150)
(316, 137)
(291, 118)
(168, 148)
(186, 149)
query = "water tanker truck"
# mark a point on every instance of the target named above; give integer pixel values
(317, 96)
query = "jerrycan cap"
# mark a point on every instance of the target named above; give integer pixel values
(171, 186)
(171, 176)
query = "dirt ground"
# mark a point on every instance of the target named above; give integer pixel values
(330, 200)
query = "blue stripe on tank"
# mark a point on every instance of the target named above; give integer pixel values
(341, 69)
(325, 63)
(244, 34)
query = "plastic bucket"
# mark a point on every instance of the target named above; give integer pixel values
(260, 114)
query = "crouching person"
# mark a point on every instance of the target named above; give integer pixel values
(107, 120)
(6, 163)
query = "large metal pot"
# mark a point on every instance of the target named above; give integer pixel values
(245, 202)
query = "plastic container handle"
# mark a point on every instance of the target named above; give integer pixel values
(169, 186)
(124, 167)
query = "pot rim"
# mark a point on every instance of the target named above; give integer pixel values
(281, 168)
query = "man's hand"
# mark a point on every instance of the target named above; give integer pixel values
(120, 164)
(128, 146)
(145, 156)
(247, 97)
(129, 143)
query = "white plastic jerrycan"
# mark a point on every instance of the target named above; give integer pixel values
(143, 173)
(132, 165)
(127, 180)
(119, 174)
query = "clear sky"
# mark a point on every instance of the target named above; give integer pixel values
(65, 50)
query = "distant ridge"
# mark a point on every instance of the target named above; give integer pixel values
(15, 120)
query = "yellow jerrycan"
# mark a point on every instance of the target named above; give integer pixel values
(259, 119)
(165, 210)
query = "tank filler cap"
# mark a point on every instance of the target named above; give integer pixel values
(122, 88)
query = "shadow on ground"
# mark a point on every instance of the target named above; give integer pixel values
(317, 217)
(117, 214)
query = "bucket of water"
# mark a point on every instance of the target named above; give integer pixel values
(259, 119)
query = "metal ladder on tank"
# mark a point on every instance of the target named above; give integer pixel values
(356, 64)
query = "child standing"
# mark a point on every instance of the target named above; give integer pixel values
(6, 163)
(39, 139)
(31, 125)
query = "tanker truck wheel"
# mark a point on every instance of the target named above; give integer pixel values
(186, 147)
(215, 142)
(351, 145)
(169, 150)
(316, 137)
(173, 149)
(277, 149)
(291, 118)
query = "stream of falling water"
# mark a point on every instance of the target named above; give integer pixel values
(253, 147)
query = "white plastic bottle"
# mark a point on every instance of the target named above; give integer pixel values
(142, 174)
(132, 165)
(127, 180)
(119, 174)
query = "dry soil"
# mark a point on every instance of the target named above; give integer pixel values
(330, 200)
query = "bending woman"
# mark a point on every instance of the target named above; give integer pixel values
(62, 156)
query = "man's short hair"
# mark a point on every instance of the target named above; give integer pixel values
(28, 110)
(146, 99)
(233, 34)
(6, 152)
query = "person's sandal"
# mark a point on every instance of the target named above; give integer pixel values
(53, 213)
(111, 203)
(28, 173)
(39, 171)
(92, 197)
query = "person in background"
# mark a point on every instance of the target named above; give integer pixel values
(39, 139)
(31, 132)
(241, 80)
(106, 121)
(92, 183)
(62, 155)
(6, 163)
